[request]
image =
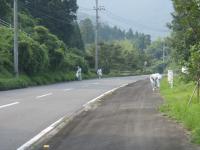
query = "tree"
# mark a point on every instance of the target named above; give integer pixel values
(129, 34)
(57, 15)
(5, 10)
(87, 31)
(194, 65)
(76, 39)
(186, 28)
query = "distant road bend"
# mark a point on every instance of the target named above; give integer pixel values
(26, 112)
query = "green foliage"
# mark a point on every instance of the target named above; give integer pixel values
(87, 31)
(33, 56)
(27, 22)
(159, 56)
(176, 106)
(5, 49)
(61, 58)
(41, 52)
(76, 40)
(5, 10)
(110, 34)
(57, 16)
(130, 54)
(118, 55)
(13, 83)
(186, 28)
(194, 62)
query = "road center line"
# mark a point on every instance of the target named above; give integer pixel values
(67, 90)
(41, 96)
(95, 83)
(7, 105)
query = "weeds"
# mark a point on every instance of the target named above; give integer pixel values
(176, 106)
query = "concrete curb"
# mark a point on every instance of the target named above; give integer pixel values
(37, 141)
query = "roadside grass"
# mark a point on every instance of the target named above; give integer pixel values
(23, 81)
(176, 106)
(8, 81)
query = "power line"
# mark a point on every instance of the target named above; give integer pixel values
(131, 22)
(126, 21)
(85, 9)
(4, 22)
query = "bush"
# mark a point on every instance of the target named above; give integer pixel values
(13, 83)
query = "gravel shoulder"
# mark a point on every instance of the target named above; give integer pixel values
(126, 120)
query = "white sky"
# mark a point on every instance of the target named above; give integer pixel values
(148, 16)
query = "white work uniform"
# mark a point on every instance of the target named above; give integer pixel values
(155, 80)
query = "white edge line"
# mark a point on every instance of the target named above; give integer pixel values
(7, 105)
(104, 94)
(37, 137)
(51, 127)
(41, 96)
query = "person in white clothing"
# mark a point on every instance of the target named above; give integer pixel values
(78, 73)
(155, 81)
(99, 73)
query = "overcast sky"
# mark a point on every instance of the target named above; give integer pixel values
(148, 16)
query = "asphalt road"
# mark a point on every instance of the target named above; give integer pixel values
(26, 112)
(126, 120)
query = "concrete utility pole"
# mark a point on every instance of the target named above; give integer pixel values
(16, 38)
(97, 9)
(163, 53)
(96, 36)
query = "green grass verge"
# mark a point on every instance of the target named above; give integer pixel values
(176, 106)
(7, 83)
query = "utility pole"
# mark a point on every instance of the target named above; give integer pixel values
(97, 9)
(163, 53)
(163, 58)
(96, 36)
(16, 38)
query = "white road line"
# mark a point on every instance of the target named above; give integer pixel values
(41, 134)
(41, 96)
(95, 83)
(7, 105)
(67, 90)
(53, 126)
(104, 94)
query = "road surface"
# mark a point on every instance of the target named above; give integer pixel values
(126, 120)
(26, 112)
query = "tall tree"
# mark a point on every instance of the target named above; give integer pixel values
(185, 26)
(129, 34)
(5, 10)
(87, 31)
(57, 15)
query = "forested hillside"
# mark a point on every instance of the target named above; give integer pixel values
(52, 43)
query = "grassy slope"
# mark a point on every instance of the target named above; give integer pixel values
(7, 83)
(176, 106)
